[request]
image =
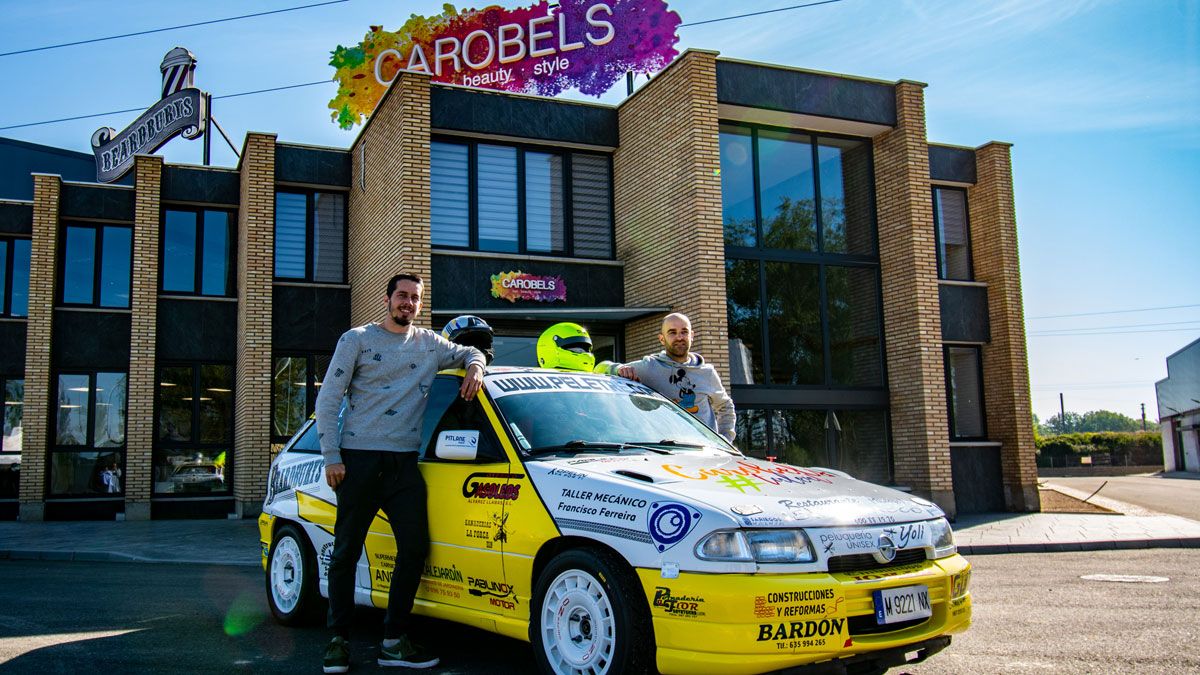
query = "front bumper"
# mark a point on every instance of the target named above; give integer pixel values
(758, 623)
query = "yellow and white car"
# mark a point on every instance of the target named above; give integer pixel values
(599, 521)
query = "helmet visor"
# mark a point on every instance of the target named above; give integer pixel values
(579, 344)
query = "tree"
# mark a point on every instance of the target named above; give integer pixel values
(1060, 424)
(1106, 420)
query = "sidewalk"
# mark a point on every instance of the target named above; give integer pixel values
(235, 542)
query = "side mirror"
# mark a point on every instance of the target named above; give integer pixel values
(460, 446)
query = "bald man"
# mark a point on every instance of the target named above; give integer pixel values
(682, 376)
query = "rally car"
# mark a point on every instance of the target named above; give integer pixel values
(608, 527)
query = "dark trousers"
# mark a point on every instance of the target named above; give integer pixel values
(378, 480)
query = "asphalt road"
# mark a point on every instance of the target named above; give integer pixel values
(1175, 495)
(1033, 614)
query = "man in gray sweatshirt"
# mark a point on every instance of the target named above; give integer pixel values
(682, 376)
(385, 370)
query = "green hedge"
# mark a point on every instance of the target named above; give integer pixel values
(1139, 448)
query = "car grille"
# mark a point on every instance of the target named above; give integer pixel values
(861, 562)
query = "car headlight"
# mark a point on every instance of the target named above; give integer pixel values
(943, 538)
(763, 546)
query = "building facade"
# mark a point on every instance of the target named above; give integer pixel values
(857, 287)
(1179, 409)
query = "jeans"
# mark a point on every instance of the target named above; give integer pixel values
(378, 480)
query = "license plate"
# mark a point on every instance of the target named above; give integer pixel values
(893, 605)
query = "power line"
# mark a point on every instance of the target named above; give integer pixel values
(1126, 325)
(169, 28)
(1115, 311)
(769, 11)
(1115, 332)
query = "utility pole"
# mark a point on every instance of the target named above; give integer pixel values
(1143, 417)
(1062, 413)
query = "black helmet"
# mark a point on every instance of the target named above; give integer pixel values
(471, 331)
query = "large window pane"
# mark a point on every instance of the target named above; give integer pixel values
(954, 253)
(109, 422)
(329, 233)
(115, 267)
(786, 190)
(291, 238)
(216, 404)
(852, 294)
(544, 216)
(291, 384)
(3, 274)
(14, 409)
(794, 324)
(72, 418)
(591, 206)
(752, 432)
(862, 444)
(20, 278)
(79, 266)
(175, 404)
(179, 252)
(745, 321)
(737, 186)
(799, 437)
(186, 471)
(847, 204)
(496, 194)
(86, 473)
(449, 221)
(966, 392)
(214, 273)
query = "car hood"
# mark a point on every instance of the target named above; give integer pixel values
(753, 492)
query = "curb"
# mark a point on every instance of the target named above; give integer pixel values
(111, 556)
(1115, 545)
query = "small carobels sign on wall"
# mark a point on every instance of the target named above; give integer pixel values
(540, 49)
(514, 286)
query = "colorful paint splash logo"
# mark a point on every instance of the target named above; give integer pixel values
(514, 286)
(540, 50)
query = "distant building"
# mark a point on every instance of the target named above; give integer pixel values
(1179, 410)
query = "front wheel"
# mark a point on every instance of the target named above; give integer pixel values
(292, 578)
(590, 617)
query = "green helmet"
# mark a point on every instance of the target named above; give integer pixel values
(566, 346)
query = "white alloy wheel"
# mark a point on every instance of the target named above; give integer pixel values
(287, 574)
(578, 625)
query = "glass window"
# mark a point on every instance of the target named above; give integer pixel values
(217, 253)
(12, 409)
(591, 205)
(744, 313)
(3, 276)
(195, 429)
(786, 190)
(179, 252)
(79, 266)
(737, 186)
(329, 232)
(954, 247)
(297, 380)
(467, 416)
(115, 267)
(450, 220)
(111, 247)
(852, 297)
(860, 443)
(846, 209)
(496, 196)
(545, 219)
(794, 324)
(291, 235)
(854, 441)
(799, 437)
(89, 442)
(965, 392)
(19, 286)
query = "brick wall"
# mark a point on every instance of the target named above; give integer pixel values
(911, 318)
(47, 191)
(1005, 361)
(255, 273)
(388, 228)
(139, 421)
(667, 193)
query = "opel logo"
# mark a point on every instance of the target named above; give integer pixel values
(887, 549)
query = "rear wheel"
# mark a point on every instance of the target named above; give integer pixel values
(292, 578)
(590, 617)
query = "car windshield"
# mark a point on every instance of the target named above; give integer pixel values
(592, 412)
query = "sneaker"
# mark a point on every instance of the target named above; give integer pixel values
(337, 656)
(407, 654)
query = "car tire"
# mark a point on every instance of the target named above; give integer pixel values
(590, 616)
(292, 578)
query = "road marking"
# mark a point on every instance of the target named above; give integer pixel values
(1124, 578)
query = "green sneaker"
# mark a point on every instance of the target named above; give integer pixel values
(407, 654)
(337, 656)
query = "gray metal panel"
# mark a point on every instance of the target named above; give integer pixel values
(806, 93)
(95, 201)
(1180, 391)
(187, 184)
(522, 117)
(16, 218)
(588, 285)
(947, 163)
(977, 479)
(18, 159)
(314, 166)
(964, 312)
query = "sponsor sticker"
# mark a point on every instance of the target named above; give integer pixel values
(678, 605)
(485, 486)
(519, 383)
(670, 522)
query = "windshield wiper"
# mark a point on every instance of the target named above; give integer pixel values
(577, 446)
(673, 443)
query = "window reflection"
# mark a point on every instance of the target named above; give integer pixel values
(291, 386)
(786, 190)
(73, 407)
(79, 265)
(745, 321)
(115, 267)
(853, 308)
(12, 408)
(737, 186)
(214, 272)
(179, 252)
(87, 473)
(794, 324)
(109, 424)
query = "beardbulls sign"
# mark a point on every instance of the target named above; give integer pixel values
(540, 49)
(181, 111)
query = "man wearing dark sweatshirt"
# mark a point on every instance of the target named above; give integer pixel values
(682, 376)
(385, 370)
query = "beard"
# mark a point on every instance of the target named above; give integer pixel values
(400, 318)
(678, 350)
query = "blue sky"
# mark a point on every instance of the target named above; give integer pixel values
(1100, 99)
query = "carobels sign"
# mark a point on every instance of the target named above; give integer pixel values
(541, 50)
(181, 111)
(514, 286)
